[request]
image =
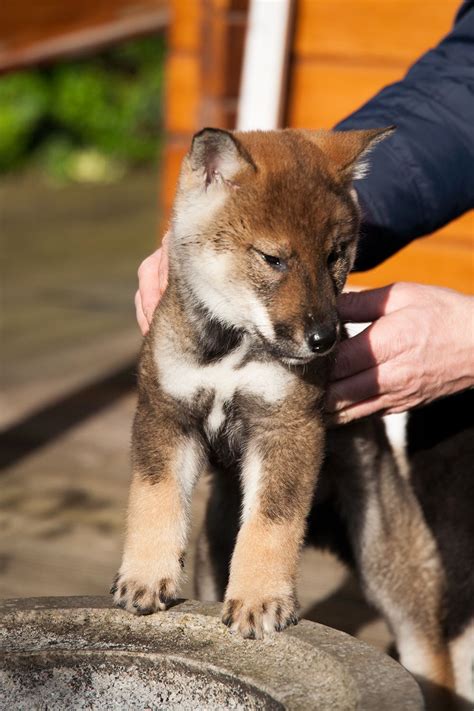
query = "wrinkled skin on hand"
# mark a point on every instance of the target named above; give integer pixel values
(419, 347)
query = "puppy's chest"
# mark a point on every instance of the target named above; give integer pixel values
(221, 395)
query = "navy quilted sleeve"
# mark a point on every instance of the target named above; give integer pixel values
(422, 176)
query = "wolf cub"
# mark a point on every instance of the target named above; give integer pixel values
(232, 378)
(234, 367)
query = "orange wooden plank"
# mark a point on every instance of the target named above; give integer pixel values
(182, 93)
(427, 262)
(390, 30)
(171, 164)
(185, 31)
(460, 231)
(321, 93)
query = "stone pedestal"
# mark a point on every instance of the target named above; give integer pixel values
(80, 653)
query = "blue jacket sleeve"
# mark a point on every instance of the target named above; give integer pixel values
(422, 176)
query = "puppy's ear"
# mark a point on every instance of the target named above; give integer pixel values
(347, 151)
(217, 157)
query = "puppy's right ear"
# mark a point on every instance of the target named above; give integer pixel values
(217, 157)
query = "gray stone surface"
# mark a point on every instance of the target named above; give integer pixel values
(79, 653)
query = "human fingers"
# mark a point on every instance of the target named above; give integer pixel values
(354, 355)
(163, 267)
(371, 406)
(376, 344)
(360, 306)
(398, 383)
(141, 318)
(349, 391)
(149, 283)
(381, 341)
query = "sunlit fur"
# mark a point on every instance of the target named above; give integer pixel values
(262, 237)
(306, 217)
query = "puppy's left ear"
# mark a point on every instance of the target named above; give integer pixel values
(347, 151)
(217, 156)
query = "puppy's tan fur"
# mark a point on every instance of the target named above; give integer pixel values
(263, 235)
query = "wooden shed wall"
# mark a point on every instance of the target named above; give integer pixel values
(342, 52)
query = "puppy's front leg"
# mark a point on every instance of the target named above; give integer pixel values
(279, 473)
(166, 465)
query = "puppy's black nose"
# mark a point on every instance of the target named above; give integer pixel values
(322, 339)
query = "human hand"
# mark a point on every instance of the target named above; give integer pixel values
(419, 347)
(152, 281)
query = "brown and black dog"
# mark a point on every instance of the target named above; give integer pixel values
(232, 379)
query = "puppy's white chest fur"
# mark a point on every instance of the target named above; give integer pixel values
(183, 379)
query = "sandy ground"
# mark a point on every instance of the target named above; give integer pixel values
(70, 340)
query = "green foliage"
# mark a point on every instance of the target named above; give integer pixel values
(108, 106)
(24, 101)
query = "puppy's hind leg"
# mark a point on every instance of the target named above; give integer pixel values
(462, 655)
(397, 558)
(217, 538)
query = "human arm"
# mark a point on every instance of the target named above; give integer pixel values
(420, 345)
(422, 177)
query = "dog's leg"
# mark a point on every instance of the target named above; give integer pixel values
(278, 479)
(462, 655)
(396, 556)
(166, 467)
(217, 538)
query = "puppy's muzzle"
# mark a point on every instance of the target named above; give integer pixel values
(322, 338)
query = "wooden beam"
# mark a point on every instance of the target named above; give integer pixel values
(390, 31)
(33, 33)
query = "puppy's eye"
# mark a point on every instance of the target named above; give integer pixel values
(275, 262)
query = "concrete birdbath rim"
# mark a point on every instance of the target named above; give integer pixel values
(187, 654)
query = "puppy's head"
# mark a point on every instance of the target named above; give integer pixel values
(264, 231)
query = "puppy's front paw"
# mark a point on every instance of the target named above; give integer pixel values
(255, 620)
(142, 598)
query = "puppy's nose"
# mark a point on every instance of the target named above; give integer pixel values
(322, 339)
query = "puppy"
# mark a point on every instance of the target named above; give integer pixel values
(232, 378)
